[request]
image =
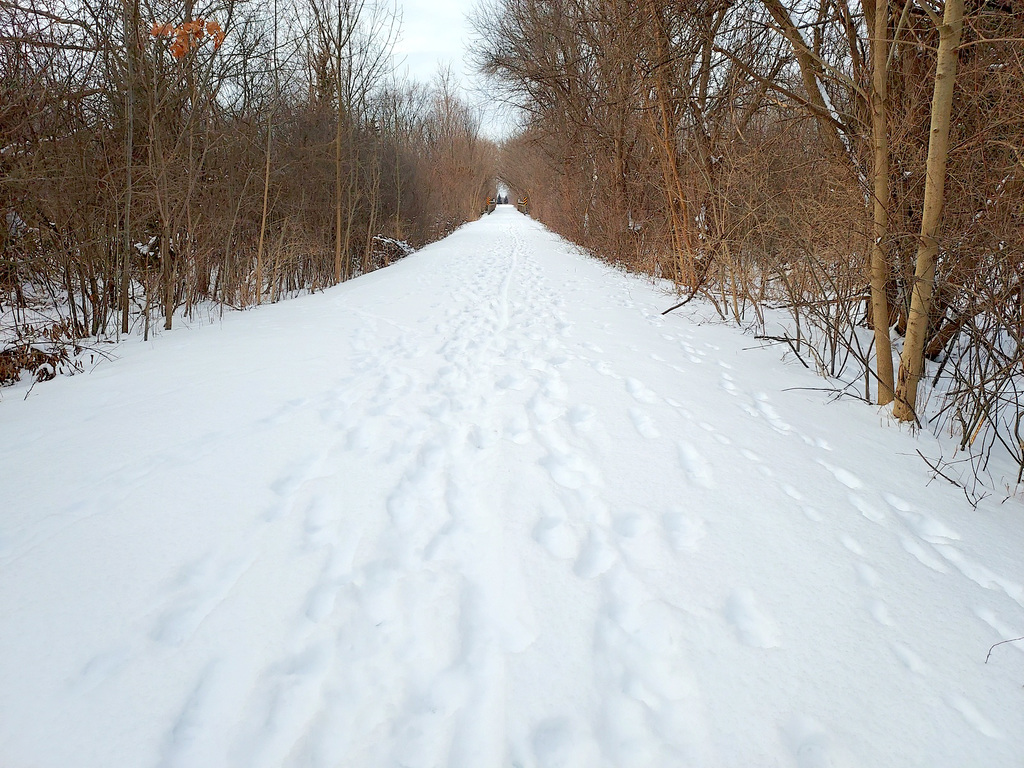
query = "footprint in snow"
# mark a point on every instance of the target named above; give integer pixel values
(604, 369)
(555, 535)
(544, 410)
(513, 381)
(320, 602)
(517, 429)
(684, 532)
(481, 438)
(753, 626)
(643, 424)
(567, 471)
(582, 418)
(628, 524)
(640, 392)
(315, 528)
(596, 557)
(695, 466)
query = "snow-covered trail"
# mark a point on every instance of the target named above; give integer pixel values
(484, 508)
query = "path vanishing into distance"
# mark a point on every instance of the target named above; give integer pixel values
(488, 507)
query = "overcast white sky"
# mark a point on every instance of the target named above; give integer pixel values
(435, 33)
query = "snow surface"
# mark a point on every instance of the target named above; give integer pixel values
(487, 507)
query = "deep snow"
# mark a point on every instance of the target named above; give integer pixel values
(487, 507)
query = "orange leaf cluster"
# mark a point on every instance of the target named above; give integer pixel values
(189, 35)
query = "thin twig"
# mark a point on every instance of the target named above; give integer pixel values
(939, 472)
(1001, 642)
(791, 346)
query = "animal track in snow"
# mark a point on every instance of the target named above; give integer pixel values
(880, 612)
(910, 660)
(852, 545)
(866, 509)
(792, 492)
(845, 477)
(973, 716)
(867, 575)
(900, 505)
(811, 514)
(928, 529)
(1006, 633)
(979, 574)
(913, 547)
(765, 409)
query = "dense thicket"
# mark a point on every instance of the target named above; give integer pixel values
(802, 155)
(155, 155)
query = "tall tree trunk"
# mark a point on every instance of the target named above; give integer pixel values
(912, 359)
(683, 272)
(168, 275)
(263, 217)
(880, 251)
(337, 191)
(131, 25)
(809, 71)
